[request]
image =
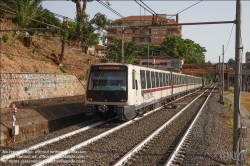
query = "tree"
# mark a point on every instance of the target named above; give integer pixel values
(92, 30)
(24, 8)
(231, 61)
(175, 46)
(114, 51)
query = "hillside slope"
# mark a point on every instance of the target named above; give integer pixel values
(42, 55)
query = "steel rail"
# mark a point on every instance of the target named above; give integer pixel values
(34, 147)
(184, 141)
(85, 143)
(138, 147)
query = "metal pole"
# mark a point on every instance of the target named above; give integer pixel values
(122, 44)
(0, 82)
(236, 125)
(222, 95)
(148, 55)
(219, 75)
(179, 64)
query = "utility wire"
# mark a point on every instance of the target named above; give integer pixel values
(44, 10)
(227, 44)
(148, 7)
(143, 7)
(185, 9)
(108, 7)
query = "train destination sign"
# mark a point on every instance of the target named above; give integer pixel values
(108, 68)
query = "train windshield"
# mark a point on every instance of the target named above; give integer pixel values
(110, 80)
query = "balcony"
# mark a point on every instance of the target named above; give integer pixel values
(111, 35)
(143, 43)
(141, 35)
(117, 26)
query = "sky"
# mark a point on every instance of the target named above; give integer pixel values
(212, 37)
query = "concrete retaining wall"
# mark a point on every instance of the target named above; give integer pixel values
(36, 88)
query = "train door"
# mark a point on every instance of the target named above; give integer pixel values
(135, 87)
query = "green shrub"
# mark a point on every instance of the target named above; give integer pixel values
(5, 38)
(26, 89)
(33, 50)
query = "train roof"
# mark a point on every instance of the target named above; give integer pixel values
(145, 68)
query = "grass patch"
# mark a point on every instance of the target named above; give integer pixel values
(229, 119)
(81, 77)
(244, 100)
(62, 70)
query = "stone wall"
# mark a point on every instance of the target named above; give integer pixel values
(37, 88)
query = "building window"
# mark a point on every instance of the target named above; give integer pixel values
(155, 39)
(137, 40)
(119, 23)
(164, 31)
(119, 31)
(137, 23)
(137, 31)
(127, 31)
(146, 32)
(146, 40)
(155, 31)
(128, 39)
(146, 23)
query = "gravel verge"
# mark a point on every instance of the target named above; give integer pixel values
(211, 137)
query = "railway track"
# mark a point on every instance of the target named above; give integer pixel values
(102, 144)
(160, 146)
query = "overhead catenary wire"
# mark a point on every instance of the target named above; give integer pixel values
(148, 7)
(144, 7)
(185, 9)
(227, 43)
(33, 29)
(47, 11)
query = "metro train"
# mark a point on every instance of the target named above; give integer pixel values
(125, 90)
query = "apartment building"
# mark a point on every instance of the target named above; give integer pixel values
(152, 34)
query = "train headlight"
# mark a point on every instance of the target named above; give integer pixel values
(90, 99)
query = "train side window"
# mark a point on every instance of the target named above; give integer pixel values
(173, 81)
(168, 79)
(153, 79)
(143, 80)
(156, 79)
(160, 79)
(148, 79)
(164, 79)
(133, 80)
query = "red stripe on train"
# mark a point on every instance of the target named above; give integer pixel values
(165, 88)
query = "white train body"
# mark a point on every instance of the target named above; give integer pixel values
(126, 90)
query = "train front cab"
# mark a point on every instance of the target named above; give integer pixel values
(107, 92)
